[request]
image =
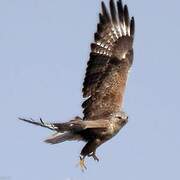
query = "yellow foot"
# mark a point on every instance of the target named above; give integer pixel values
(82, 164)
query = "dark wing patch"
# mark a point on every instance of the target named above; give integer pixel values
(113, 41)
(108, 97)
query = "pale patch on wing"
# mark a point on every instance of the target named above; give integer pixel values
(124, 55)
(50, 125)
(109, 37)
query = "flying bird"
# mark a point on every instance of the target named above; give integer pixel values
(110, 60)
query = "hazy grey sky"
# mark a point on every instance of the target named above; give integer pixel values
(44, 47)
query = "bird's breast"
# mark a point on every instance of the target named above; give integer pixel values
(109, 132)
(113, 129)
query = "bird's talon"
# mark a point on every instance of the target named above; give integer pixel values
(95, 158)
(82, 164)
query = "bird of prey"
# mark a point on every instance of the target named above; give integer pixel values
(105, 80)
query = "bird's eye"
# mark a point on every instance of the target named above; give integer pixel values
(120, 117)
(123, 117)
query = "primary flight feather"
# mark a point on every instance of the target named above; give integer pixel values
(103, 89)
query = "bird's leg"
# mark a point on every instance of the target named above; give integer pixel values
(82, 163)
(95, 157)
(93, 154)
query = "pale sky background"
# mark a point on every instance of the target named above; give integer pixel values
(44, 47)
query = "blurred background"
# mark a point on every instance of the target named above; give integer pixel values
(44, 48)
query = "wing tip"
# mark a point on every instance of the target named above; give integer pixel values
(119, 17)
(105, 12)
(132, 26)
(113, 12)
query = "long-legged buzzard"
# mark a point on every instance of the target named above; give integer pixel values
(103, 89)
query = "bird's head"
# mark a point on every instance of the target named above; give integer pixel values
(121, 117)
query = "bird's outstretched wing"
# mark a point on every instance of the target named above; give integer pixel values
(110, 59)
(68, 131)
(74, 125)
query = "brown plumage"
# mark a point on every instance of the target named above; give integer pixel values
(103, 89)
